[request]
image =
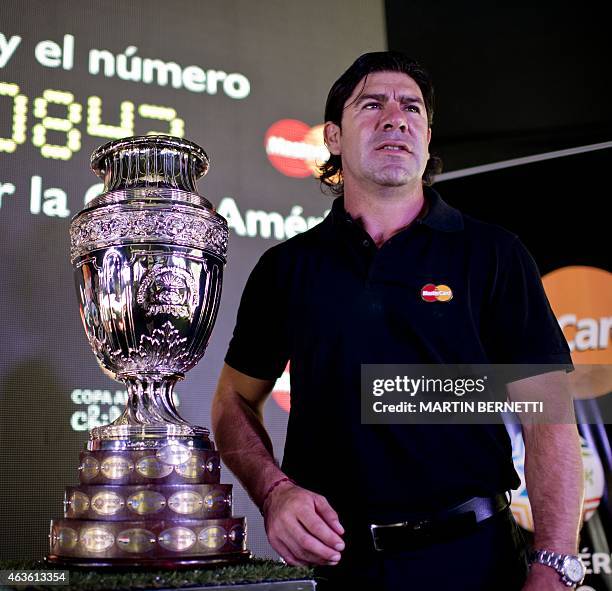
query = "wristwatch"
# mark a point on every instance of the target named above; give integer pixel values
(569, 566)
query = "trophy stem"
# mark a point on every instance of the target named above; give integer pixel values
(150, 412)
(150, 401)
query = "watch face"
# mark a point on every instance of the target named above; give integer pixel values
(573, 569)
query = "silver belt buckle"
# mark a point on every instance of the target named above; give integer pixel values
(376, 527)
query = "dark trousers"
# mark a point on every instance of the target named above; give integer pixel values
(493, 557)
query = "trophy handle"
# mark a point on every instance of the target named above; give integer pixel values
(111, 300)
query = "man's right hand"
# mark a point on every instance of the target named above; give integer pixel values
(302, 527)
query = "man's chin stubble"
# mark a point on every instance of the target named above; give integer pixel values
(392, 180)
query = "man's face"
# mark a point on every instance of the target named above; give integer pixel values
(384, 137)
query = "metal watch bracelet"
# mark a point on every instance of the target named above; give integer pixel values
(559, 562)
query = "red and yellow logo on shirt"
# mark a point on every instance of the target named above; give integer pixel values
(436, 293)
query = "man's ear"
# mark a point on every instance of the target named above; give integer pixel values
(331, 135)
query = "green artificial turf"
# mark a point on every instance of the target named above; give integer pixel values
(254, 571)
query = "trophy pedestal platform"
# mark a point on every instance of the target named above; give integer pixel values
(160, 506)
(148, 541)
(123, 564)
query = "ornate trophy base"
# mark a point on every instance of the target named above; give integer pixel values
(157, 505)
(156, 543)
(149, 564)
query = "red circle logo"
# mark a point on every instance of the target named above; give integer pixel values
(294, 148)
(428, 291)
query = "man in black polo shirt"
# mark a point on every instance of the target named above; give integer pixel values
(349, 292)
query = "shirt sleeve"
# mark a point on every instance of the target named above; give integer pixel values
(258, 347)
(521, 326)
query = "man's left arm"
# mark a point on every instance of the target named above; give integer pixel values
(553, 471)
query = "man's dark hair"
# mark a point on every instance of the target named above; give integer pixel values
(380, 61)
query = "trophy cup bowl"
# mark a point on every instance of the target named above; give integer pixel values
(148, 256)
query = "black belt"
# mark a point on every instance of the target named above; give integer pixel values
(438, 527)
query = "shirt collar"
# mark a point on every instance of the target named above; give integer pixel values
(440, 215)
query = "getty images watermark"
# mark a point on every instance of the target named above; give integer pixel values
(471, 394)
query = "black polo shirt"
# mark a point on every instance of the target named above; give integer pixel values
(329, 300)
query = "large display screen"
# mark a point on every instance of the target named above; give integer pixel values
(245, 80)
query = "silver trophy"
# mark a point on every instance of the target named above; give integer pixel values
(148, 256)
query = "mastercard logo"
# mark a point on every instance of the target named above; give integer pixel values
(294, 148)
(581, 298)
(436, 293)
